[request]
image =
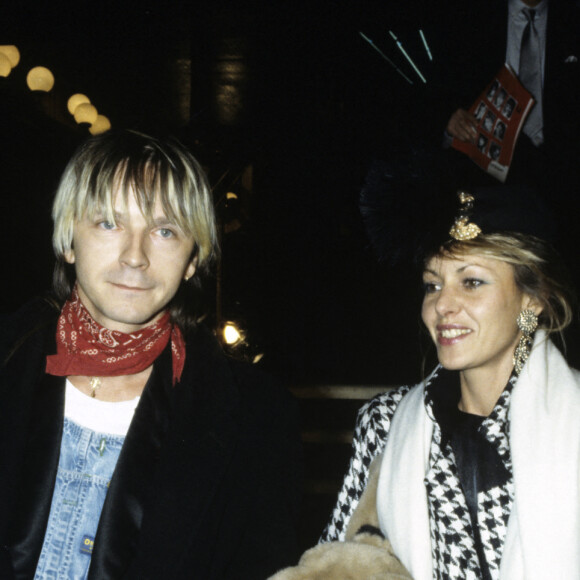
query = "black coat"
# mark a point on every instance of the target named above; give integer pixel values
(207, 483)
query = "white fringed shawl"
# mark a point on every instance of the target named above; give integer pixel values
(543, 536)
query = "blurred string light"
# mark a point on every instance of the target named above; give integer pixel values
(40, 79)
(12, 53)
(5, 66)
(86, 113)
(83, 111)
(76, 100)
(101, 125)
(232, 335)
(9, 58)
(235, 339)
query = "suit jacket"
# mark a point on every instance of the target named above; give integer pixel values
(207, 483)
(469, 46)
(468, 41)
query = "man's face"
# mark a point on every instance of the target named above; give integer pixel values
(128, 271)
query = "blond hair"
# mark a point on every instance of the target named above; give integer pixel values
(538, 271)
(124, 162)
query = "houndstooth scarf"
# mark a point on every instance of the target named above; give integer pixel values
(430, 532)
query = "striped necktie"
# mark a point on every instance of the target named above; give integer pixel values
(530, 76)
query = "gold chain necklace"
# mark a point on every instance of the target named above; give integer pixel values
(95, 383)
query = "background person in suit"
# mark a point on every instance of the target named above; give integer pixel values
(480, 38)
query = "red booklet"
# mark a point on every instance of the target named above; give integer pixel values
(500, 111)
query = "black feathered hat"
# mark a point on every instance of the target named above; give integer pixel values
(410, 203)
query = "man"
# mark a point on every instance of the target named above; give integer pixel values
(130, 446)
(481, 37)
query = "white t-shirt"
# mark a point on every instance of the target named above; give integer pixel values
(100, 416)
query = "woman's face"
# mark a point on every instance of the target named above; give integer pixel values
(470, 308)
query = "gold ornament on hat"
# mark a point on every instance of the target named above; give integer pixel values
(463, 229)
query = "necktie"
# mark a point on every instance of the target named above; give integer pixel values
(530, 76)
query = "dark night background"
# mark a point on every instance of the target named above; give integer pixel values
(288, 89)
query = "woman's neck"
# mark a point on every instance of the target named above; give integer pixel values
(482, 387)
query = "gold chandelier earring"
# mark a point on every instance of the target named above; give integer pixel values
(527, 322)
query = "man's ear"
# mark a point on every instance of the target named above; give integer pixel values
(190, 270)
(69, 256)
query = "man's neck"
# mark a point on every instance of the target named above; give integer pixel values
(112, 389)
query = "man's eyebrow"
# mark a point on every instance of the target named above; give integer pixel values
(163, 220)
(101, 212)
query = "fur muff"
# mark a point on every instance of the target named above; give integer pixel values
(365, 555)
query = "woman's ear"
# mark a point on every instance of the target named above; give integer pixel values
(532, 303)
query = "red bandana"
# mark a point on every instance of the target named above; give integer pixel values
(86, 348)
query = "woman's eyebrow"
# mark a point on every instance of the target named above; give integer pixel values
(470, 265)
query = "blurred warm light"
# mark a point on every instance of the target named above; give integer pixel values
(10, 52)
(231, 195)
(258, 358)
(231, 334)
(40, 78)
(75, 101)
(101, 125)
(86, 113)
(5, 66)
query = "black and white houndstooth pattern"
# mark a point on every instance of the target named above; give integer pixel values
(453, 548)
(370, 435)
(495, 505)
(452, 544)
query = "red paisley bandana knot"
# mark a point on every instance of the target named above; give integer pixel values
(86, 348)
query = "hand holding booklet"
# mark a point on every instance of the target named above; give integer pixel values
(500, 111)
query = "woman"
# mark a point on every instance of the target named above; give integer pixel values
(480, 463)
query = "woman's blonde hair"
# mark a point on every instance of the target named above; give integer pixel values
(538, 271)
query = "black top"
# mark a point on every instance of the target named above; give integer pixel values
(208, 481)
(479, 465)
